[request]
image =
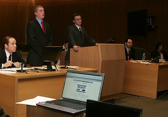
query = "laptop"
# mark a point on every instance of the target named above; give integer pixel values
(104, 109)
(79, 86)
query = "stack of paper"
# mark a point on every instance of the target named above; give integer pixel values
(35, 100)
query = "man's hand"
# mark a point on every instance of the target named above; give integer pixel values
(17, 64)
(7, 64)
(76, 48)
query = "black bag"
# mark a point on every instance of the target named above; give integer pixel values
(2, 114)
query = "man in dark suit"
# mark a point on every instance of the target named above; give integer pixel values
(9, 57)
(39, 36)
(77, 35)
(129, 51)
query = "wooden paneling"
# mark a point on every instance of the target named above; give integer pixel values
(101, 19)
(145, 79)
(17, 87)
(37, 111)
(108, 59)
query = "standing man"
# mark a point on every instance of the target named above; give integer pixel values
(77, 35)
(39, 36)
(129, 51)
(9, 57)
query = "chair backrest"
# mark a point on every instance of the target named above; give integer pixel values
(2, 113)
(138, 53)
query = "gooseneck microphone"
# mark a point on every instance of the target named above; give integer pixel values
(21, 63)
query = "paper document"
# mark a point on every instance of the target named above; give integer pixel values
(73, 66)
(7, 72)
(35, 100)
(14, 69)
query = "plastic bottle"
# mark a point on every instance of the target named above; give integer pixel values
(58, 64)
(127, 58)
(161, 56)
(143, 56)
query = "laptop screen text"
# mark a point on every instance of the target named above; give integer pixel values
(82, 86)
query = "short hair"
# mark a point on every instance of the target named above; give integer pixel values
(6, 40)
(35, 8)
(158, 44)
(126, 40)
(65, 42)
(74, 15)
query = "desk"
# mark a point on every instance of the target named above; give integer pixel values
(36, 111)
(145, 79)
(21, 86)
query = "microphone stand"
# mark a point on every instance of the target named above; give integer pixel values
(65, 67)
(21, 64)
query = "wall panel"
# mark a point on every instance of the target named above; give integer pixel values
(101, 18)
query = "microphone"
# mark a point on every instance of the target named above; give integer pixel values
(65, 67)
(21, 64)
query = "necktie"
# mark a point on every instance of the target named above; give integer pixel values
(10, 57)
(42, 24)
(129, 53)
(80, 30)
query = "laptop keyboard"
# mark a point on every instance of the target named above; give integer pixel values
(67, 104)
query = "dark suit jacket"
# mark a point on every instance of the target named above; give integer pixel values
(75, 38)
(132, 55)
(37, 41)
(16, 57)
(156, 54)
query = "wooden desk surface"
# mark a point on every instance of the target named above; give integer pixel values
(21, 86)
(145, 79)
(33, 74)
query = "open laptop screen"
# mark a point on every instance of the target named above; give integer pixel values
(82, 85)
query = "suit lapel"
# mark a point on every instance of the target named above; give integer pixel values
(38, 25)
(4, 56)
(45, 26)
(77, 30)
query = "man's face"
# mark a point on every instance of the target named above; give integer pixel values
(11, 46)
(39, 13)
(66, 45)
(161, 47)
(77, 20)
(128, 43)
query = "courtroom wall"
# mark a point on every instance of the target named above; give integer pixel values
(101, 18)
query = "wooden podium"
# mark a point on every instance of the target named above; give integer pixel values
(109, 59)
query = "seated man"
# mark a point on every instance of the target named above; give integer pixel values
(129, 51)
(158, 52)
(9, 57)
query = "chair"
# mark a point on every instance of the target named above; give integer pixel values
(138, 53)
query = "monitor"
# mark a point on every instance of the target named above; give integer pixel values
(137, 23)
(51, 54)
(104, 109)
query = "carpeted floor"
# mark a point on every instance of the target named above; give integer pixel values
(151, 107)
